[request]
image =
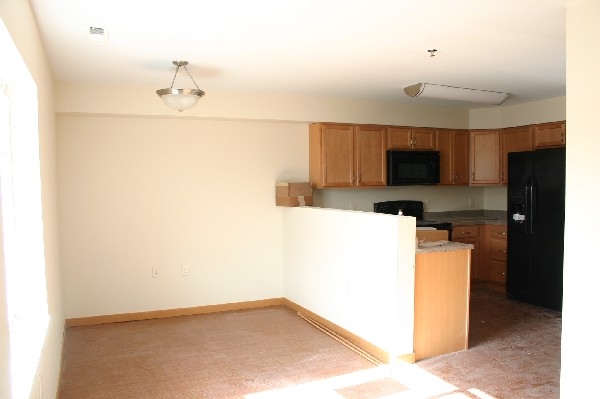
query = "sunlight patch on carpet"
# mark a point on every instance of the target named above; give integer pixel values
(372, 389)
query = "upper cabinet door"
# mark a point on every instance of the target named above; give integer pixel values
(423, 139)
(550, 135)
(484, 157)
(514, 139)
(331, 148)
(407, 138)
(370, 158)
(445, 145)
(453, 146)
(399, 138)
(461, 157)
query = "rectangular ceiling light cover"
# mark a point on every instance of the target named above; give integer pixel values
(429, 90)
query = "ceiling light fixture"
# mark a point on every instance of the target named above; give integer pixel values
(442, 92)
(180, 99)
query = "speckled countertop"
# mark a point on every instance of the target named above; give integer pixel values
(464, 218)
(448, 246)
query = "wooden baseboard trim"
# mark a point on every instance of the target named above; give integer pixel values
(158, 314)
(363, 345)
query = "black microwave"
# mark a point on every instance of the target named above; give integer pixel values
(412, 167)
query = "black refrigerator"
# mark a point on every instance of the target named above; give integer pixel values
(536, 220)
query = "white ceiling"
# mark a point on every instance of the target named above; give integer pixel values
(366, 49)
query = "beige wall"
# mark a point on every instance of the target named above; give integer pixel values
(550, 110)
(581, 271)
(143, 101)
(343, 265)
(144, 192)
(18, 18)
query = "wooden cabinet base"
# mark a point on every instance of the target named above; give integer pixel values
(488, 285)
(441, 303)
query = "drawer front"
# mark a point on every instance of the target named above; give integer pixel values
(465, 231)
(498, 271)
(496, 231)
(498, 249)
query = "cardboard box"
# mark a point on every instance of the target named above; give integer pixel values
(293, 194)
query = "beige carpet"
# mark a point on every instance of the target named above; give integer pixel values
(224, 355)
(272, 353)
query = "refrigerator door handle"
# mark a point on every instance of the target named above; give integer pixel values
(531, 208)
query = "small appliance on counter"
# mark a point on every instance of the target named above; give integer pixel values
(411, 208)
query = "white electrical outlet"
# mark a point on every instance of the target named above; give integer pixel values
(427, 204)
(154, 271)
(471, 203)
(185, 270)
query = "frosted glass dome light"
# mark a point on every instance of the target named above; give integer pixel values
(180, 99)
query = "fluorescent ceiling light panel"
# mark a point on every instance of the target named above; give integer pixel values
(441, 92)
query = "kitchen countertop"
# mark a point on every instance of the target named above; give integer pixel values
(448, 246)
(465, 218)
(474, 220)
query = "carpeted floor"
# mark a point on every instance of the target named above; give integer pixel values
(272, 353)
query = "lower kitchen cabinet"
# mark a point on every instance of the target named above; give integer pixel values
(488, 259)
(495, 257)
(441, 303)
(470, 235)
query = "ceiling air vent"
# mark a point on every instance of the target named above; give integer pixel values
(97, 34)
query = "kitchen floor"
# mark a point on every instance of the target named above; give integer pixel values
(514, 350)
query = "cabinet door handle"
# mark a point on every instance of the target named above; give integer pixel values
(502, 250)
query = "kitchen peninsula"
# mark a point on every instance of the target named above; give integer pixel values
(356, 271)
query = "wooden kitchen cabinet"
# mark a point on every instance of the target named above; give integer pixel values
(495, 236)
(484, 157)
(552, 134)
(514, 139)
(370, 155)
(345, 155)
(411, 138)
(453, 146)
(470, 235)
(441, 303)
